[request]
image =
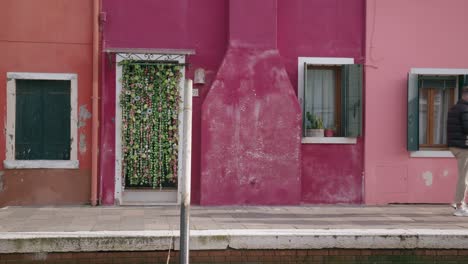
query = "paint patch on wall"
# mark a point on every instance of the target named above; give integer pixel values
(82, 143)
(427, 176)
(445, 173)
(84, 115)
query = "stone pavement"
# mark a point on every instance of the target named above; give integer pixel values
(69, 219)
(287, 227)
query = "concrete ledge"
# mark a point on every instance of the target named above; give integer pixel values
(234, 239)
(41, 164)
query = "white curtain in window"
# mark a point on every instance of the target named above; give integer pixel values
(320, 95)
(441, 106)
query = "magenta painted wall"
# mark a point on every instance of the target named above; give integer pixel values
(330, 173)
(200, 25)
(315, 28)
(404, 34)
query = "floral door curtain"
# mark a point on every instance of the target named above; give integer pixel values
(150, 101)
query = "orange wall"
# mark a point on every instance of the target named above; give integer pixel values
(47, 36)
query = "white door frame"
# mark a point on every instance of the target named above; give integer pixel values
(161, 197)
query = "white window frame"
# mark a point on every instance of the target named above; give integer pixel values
(320, 61)
(440, 72)
(10, 162)
(154, 198)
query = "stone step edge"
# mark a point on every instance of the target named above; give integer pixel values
(242, 239)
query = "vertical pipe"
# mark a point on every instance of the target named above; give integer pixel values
(187, 162)
(95, 98)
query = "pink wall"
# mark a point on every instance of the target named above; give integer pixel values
(315, 28)
(404, 34)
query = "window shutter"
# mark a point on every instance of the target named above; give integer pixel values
(56, 125)
(29, 113)
(42, 120)
(352, 76)
(304, 116)
(413, 113)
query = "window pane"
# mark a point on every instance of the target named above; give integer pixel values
(319, 95)
(436, 97)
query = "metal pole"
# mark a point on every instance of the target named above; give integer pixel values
(187, 156)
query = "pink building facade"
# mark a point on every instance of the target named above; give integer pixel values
(249, 146)
(401, 40)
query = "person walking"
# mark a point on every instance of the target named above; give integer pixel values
(457, 140)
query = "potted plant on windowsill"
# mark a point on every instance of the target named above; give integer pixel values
(315, 126)
(330, 132)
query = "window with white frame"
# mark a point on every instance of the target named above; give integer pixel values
(431, 93)
(41, 120)
(330, 92)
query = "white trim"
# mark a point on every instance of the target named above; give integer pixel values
(431, 154)
(328, 140)
(325, 60)
(300, 92)
(119, 184)
(151, 51)
(314, 61)
(118, 193)
(41, 76)
(41, 164)
(438, 71)
(11, 113)
(149, 197)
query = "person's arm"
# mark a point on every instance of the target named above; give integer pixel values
(464, 123)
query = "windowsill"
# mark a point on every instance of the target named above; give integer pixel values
(329, 140)
(431, 154)
(41, 164)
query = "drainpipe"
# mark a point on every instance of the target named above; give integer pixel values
(95, 98)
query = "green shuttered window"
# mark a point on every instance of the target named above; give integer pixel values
(429, 99)
(42, 129)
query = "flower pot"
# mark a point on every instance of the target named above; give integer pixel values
(329, 132)
(314, 132)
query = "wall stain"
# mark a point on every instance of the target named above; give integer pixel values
(445, 173)
(84, 115)
(82, 143)
(427, 176)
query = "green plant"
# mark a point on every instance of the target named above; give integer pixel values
(315, 122)
(150, 103)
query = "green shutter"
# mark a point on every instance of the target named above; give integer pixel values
(304, 116)
(56, 125)
(352, 83)
(28, 127)
(413, 113)
(42, 120)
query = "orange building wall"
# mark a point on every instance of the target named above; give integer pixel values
(47, 36)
